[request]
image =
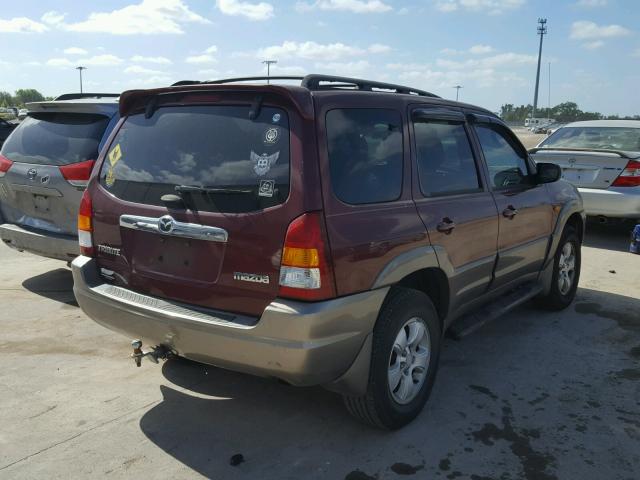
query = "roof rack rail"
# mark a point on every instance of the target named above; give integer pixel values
(313, 82)
(323, 82)
(77, 96)
(233, 80)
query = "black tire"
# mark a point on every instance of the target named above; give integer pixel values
(557, 300)
(378, 407)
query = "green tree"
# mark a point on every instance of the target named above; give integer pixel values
(26, 95)
(6, 100)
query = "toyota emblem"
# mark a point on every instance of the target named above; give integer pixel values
(32, 173)
(165, 224)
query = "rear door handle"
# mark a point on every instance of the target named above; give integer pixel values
(446, 226)
(510, 212)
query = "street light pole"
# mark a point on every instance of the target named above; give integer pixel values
(268, 63)
(80, 69)
(457, 87)
(542, 31)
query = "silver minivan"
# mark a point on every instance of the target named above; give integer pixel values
(45, 165)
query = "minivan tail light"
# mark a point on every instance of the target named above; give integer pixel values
(305, 270)
(77, 174)
(85, 225)
(5, 165)
(630, 176)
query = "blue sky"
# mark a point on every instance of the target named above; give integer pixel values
(487, 46)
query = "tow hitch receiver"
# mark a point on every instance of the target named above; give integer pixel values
(157, 353)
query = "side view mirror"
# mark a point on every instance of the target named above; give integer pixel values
(548, 172)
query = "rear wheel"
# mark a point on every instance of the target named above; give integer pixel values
(566, 272)
(404, 360)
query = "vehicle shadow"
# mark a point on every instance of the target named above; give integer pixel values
(55, 284)
(609, 236)
(207, 415)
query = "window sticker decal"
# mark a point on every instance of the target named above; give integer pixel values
(115, 155)
(264, 162)
(266, 188)
(276, 118)
(271, 136)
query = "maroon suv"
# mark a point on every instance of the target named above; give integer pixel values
(323, 234)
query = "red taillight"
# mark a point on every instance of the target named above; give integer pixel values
(85, 225)
(305, 269)
(5, 165)
(630, 176)
(77, 174)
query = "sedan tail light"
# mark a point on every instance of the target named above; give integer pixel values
(77, 174)
(5, 165)
(630, 176)
(85, 225)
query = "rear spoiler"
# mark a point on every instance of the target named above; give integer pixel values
(137, 100)
(621, 153)
(104, 108)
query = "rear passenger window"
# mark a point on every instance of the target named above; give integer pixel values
(507, 166)
(445, 161)
(365, 154)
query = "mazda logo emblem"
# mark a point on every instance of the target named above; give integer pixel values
(32, 173)
(165, 224)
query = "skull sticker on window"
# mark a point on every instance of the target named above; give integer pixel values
(264, 162)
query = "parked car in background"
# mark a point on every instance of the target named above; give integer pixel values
(5, 129)
(602, 159)
(326, 233)
(22, 113)
(44, 168)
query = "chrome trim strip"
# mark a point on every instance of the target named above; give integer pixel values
(178, 229)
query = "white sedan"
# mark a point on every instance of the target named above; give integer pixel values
(602, 159)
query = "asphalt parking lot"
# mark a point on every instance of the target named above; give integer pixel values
(530, 396)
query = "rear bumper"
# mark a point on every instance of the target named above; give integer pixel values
(46, 244)
(301, 343)
(621, 202)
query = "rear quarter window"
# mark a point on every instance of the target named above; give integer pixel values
(365, 154)
(242, 165)
(51, 138)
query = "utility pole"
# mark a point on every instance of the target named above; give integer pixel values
(80, 69)
(542, 31)
(268, 63)
(549, 96)
(457, 87)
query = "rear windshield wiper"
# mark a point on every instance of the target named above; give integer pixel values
(196, 189)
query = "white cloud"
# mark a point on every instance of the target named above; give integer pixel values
(21, 25)
(493, 61)
(591, 3)
(60, 62)
(286, 70)
(403, 11)
(199, 59)
(492, 7)
(158, 60)
(137, 69)
(586, 30)
(209, 72)
(150, 82)
(207, 56)
(354, 6)
(75, 51)
(480, 49)
(252, 11)
(53, 17)
(106, 60)
(379, 48)
(317, 51)
(449, 51)
(147, 17)
(346, 68)
(593, 45)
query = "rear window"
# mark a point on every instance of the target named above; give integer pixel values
(56, 138)
(239, 164)
(365, 154)
(611, 138)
